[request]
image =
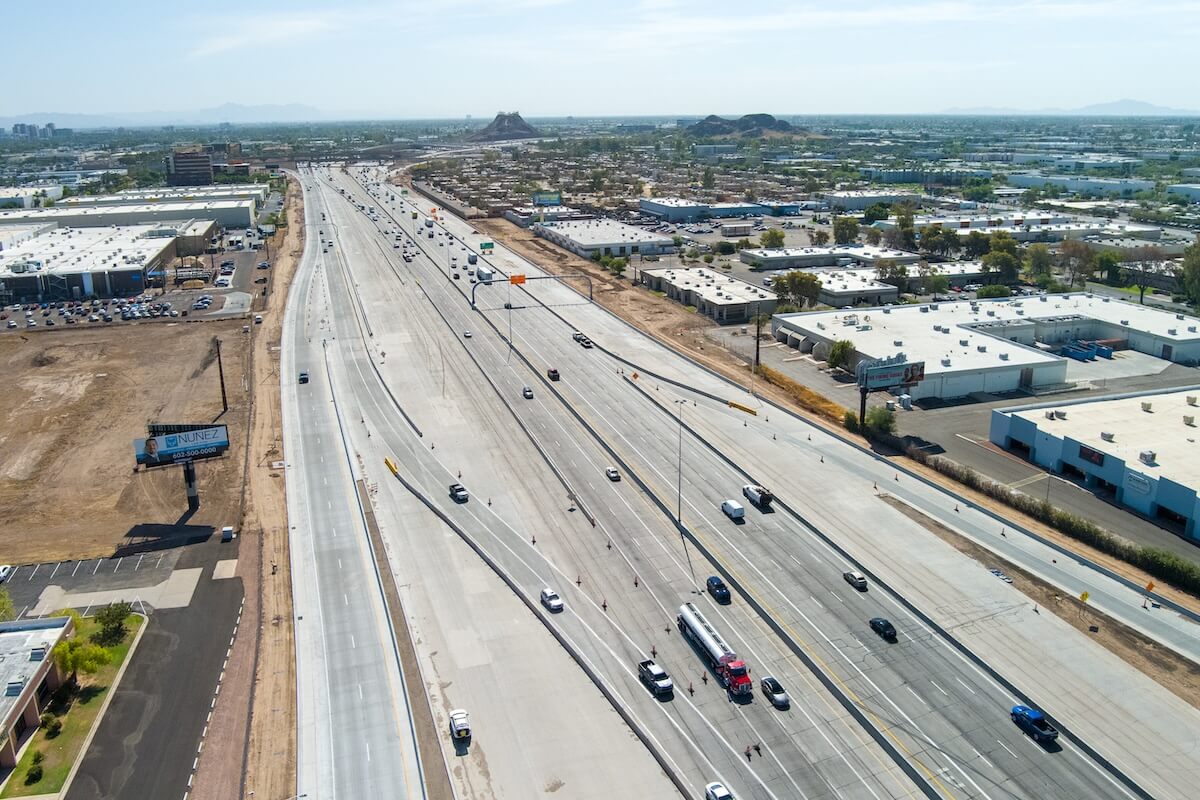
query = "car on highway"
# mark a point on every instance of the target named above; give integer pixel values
(717, 791)
(612, 474)
(884, 628)
(773, 691)
(551, 600)
(466, 334)
(303, 377)
(552, 374)
(587, 343)
(527, 393)
(1034, 723)
(855, 579)
(719, 591)
(460, 725)
(458, 493)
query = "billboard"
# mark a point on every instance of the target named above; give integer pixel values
(547, 198)
(886, 376)
(180, 446)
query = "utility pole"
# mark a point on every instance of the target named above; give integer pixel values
(221, 372)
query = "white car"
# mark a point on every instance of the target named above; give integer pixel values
(717, 791)
(466, 334)
(460, 725)
(612, 474)
(551, 600)
(5, 571)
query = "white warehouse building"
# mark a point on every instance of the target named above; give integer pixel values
(994, 346)
(604, 237)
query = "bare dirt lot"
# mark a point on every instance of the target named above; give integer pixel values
(1172, 671)
(73, 402)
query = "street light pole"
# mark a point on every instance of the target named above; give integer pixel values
(679, 495)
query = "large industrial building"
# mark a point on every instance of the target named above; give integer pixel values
(75, 263)
(839, 255)
(862, 199)
(1005, 219)
(174, 194)
(714, 294)
(675, 209)
(604, 237)
(29, 196)
(846, 286)
(226, 213)
(1191, 191)
(996, 346)
(1082, 185)
(1141, 449)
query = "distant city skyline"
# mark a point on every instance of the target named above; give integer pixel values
(400, 59)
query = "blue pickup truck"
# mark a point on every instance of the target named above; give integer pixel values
(1034, 723)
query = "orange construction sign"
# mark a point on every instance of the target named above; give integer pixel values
(516, 279)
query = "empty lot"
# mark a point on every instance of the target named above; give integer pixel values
(74, 400)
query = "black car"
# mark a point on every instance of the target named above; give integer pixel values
(884, 628)
(718, 589)
(304, 377)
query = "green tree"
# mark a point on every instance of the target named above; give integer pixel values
(771, 238)
(841, 354)
(819, 238)
(873, 236)
(112, 622)
(709, 180)
(74, 656)
(1078, 260)
(1189, 272)
(1038, 260)
(1003, 267)
(1003, 242)
(1146, 263)
(797, 288)
(708, 258)
(845, 230)
(743, 244)
(726, 248)
(693, 253)
(993, 290)
(880, 420)
(977, 244)
(891, 273)
(678, 240)
(1108, 264)
(876, 212)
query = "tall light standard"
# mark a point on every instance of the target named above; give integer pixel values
(679, 493)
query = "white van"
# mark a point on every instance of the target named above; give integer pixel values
(733, 509)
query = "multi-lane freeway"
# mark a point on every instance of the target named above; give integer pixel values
(380, 318)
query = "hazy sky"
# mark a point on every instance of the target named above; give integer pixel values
(448, 58)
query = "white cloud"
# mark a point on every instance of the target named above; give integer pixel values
(267, 30)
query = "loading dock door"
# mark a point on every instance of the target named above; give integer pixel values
(1026, 377)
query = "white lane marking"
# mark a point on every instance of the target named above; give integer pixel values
(835, 594)
(56, 566)
(815, 600)
(914, 694)
(77, 564)
(1010, 752)
(940, 689)
(968, 688)
(35, 569)
(983, 758)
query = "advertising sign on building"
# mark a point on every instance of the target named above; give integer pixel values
(176, 448)
(547, 198)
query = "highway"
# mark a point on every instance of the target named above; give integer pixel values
(868, 719)
(354, 735)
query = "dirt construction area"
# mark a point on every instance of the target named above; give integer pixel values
(74, 400)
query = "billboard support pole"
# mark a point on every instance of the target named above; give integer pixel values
(221, 372)
(193, 490)
(862, 407)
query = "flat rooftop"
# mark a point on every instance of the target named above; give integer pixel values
(77, 250)
(715, 287)
(934, 331)
(1160, 430)
(850, 281)
(675, 202)
(599, 232)
(170, 194)
(1067, 228)
(217, 189)
(869, 193)
(183, 209)
(18, 640)
(11, 234)
(860, 252)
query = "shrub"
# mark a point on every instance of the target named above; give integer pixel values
(38, 756)
(880, 420)
(805, 397)
(850, 421)
(33, 775)
(708, 258)
(993, 290)
(54, 728)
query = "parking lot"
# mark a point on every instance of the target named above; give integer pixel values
(27, 582)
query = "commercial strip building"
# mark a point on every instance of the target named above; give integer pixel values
(75, 263)
(1189, 190)
(675, 209)
(604, 237)
(862, 199)
(29, 196)
(1008, 219)
(924, 175)
(525, 216)
(30, 677)
(1075, 229)
(995, 346)
(1141, 449)
(851, 286)
(1082, 185)
(714, 294)
(842, 255)
(226, 213)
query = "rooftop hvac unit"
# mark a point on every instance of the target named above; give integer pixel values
(1107, 436)
(1172, 331)
(1060, 414)
(887, 310)
(1049, 415)
(15, 686)
(945, 362)
(897, 342)
(1147, 405)
(982, 348)
(1148, 457)
(924, 309)
(1191, 399)
(1191, 328)
(991, 312)
(1020, 312)
(1179, 316)
(1124, 322)
(963, 342)
(1189, 420)
(1103, 299)
(1004, 356)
